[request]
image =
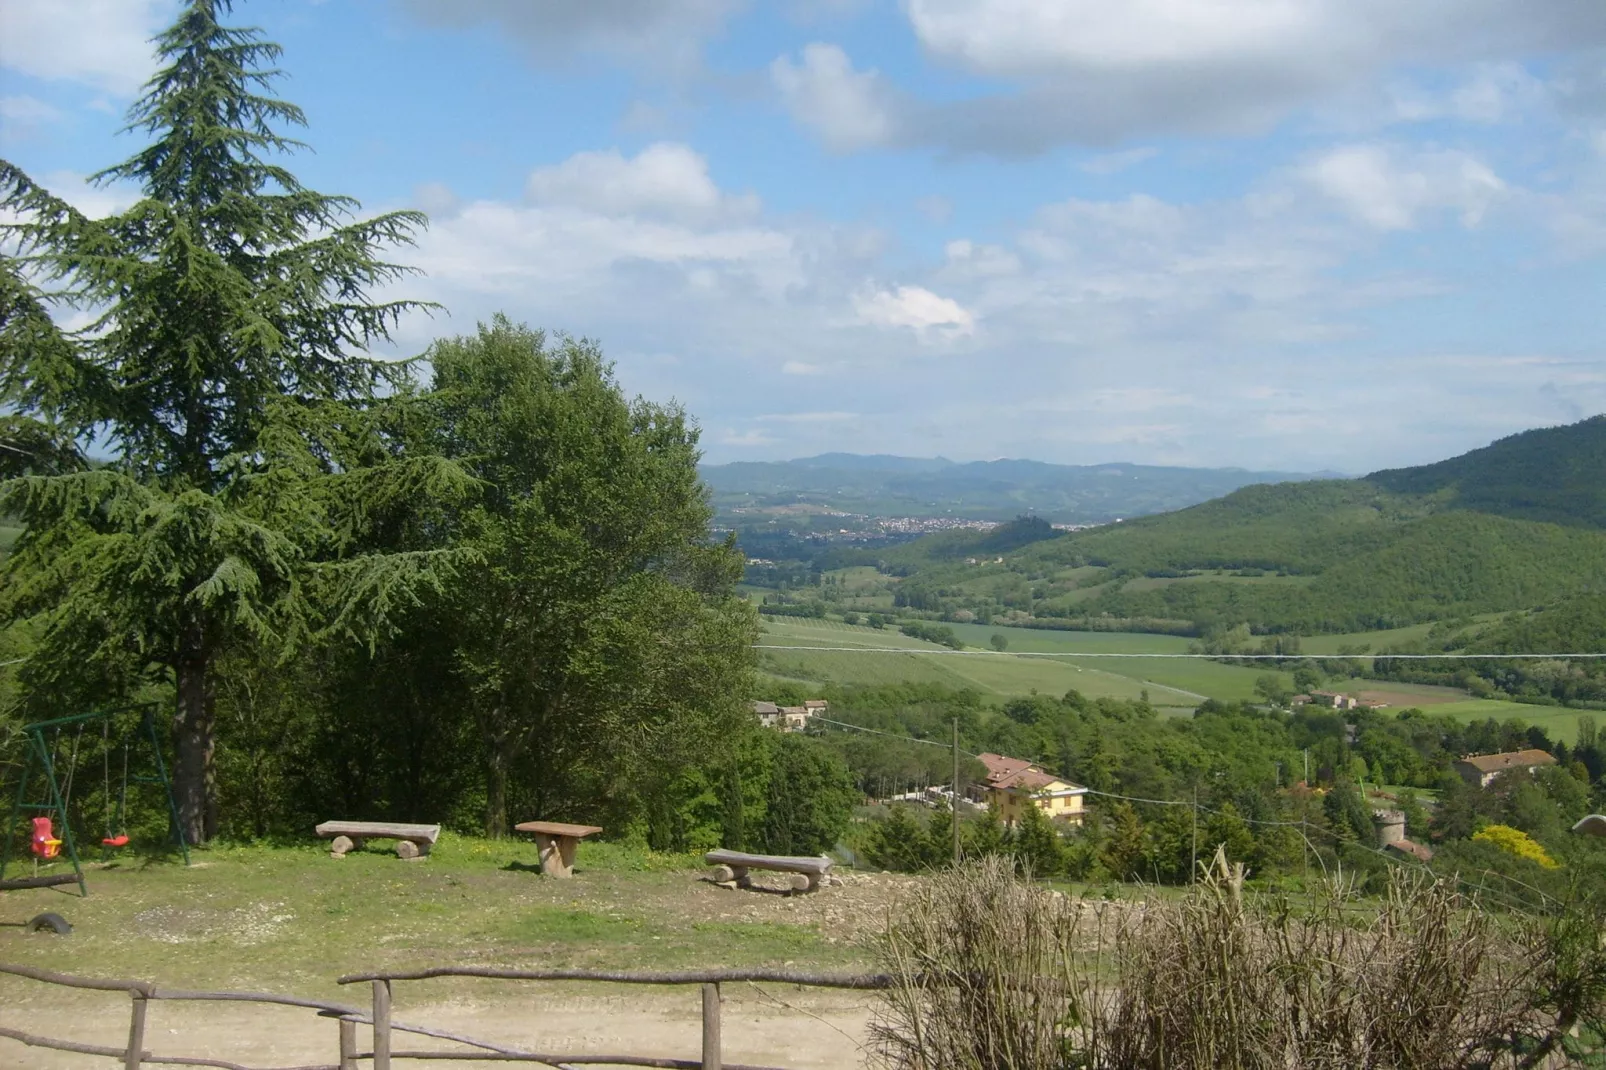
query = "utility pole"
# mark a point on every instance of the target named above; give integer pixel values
(953, 795)
(1193, 851)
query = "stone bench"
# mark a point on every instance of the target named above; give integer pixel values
(412, 841)
(730, 868)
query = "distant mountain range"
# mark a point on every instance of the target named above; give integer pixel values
(887, 486)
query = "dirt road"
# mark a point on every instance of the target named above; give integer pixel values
(818, 1030)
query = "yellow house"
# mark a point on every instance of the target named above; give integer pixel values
(1014, 783)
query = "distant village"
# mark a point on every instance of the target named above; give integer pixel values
(1012, 784)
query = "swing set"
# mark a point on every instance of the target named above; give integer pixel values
(47, 743)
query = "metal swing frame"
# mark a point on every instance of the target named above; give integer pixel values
(55, 804)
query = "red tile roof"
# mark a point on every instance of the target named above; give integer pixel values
(1005, 774)
(1420, 852)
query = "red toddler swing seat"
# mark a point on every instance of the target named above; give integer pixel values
(44, 843)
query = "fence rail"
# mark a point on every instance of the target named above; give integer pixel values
(378, 1018)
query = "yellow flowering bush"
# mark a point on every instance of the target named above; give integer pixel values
(1516, 842)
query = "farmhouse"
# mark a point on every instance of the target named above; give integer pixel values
(1012, 784)
(789, 718)
(1480, 770)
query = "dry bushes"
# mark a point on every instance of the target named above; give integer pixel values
(995, 973)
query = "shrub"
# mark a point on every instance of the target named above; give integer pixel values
(993, 973)
(1517, 842)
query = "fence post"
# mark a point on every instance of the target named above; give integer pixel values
(135, 1054)
(711, 1055)
(382, 1025)
(348, 1044)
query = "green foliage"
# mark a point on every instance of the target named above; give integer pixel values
(1550, 474)
(932, 633)
(1037, 846)
(592, 616)
(811, 797)
(1312, 557)
(230, 317)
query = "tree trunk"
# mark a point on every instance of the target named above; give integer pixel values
(496, 790)
(194, 779)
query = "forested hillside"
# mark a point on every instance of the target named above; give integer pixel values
(1552, 474)
(1510, 527)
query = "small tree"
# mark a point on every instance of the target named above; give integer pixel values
(999, 642)
(811, 798)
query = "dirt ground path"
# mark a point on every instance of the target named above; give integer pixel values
(818, 1030)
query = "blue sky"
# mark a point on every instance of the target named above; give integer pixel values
(1292, 234)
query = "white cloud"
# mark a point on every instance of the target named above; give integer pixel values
(1090, 72)
(1129, 328)
(746, 439)
(666, 180)
(101, 43)
(1391, 189)
(664, 35)
(915, 307)
(1294, 43)
(849, 109)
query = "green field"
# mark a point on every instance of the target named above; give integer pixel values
(1173, 684)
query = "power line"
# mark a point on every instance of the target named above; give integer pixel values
(1113, 654)
(1304, 826)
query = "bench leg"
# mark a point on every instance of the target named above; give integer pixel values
(739, 875)
(340, 845)
(804, 882)
(553, 863)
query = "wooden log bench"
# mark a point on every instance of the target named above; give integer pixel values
(557, 843)
(730, 868)
(412, 841)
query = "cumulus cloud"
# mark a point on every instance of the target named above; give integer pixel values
(1093, 73)
(1390, 189)
(657, 33)
(101, 43)
(1124, 328)
(666, 179)
(914, 307)
(849, 109)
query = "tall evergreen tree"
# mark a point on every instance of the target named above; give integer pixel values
(226, 351)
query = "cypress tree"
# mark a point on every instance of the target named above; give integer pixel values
(230, 315)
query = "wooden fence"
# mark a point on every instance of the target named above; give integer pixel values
(384, 1026)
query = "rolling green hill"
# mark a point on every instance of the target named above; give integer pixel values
(1513, 526)
(1555, 474)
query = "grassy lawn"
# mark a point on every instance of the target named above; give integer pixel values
(1558, 723)
(292, 918)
